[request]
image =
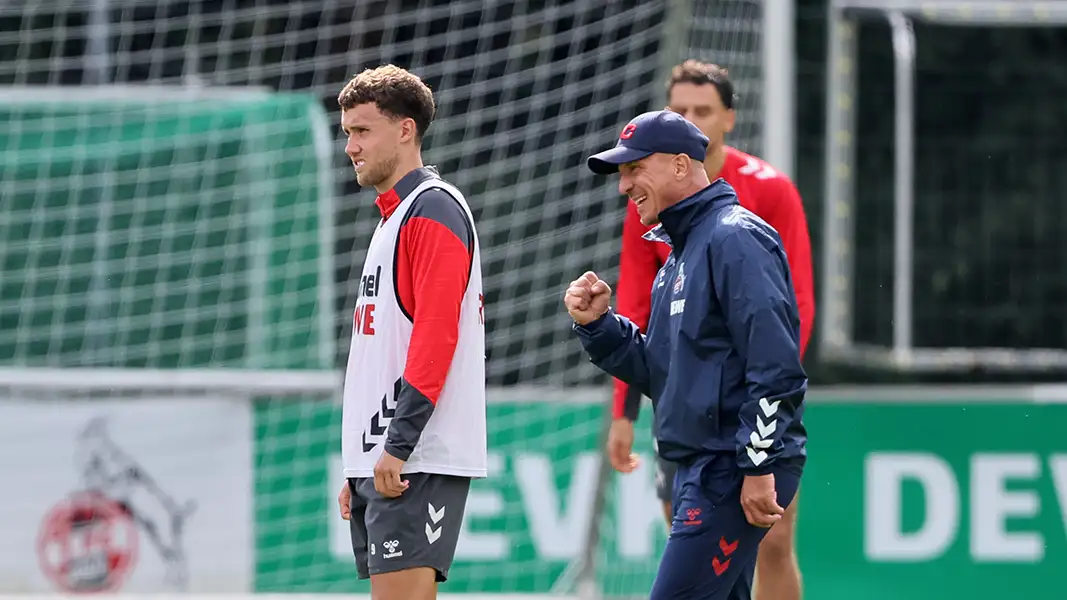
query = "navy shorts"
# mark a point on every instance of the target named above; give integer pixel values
(711, 552)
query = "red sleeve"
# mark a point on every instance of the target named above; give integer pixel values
(786, 215)
(434, 254)
(439, 263)
(638, 265)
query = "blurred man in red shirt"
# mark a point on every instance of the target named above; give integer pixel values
(703, 94)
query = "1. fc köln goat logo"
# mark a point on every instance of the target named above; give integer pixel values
(90, 541)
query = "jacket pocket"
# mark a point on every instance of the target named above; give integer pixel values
(721, 480)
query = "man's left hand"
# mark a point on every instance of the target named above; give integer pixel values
(759, 500)
(621, 444)
(387, 476)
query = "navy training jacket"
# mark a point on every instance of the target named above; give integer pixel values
(721, 359)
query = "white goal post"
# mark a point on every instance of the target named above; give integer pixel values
(836, 316)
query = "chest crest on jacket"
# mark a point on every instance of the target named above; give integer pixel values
(678, 305)
(679, 279)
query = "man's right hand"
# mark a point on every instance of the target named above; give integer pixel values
(587, 298)
(344, 499)
(759, 500)
(621, 444)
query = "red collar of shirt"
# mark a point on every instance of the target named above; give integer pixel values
(391, 199)
(387, 203)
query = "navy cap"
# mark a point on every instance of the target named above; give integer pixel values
(651, 133)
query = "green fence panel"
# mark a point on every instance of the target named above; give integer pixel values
(924, 501)
(163, 230)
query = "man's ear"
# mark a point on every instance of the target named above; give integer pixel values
(681, 166)
(408, 130)
(731, 120)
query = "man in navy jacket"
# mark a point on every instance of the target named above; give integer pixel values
(720, 359)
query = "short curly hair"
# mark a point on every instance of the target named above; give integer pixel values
(701, 73)
(398, 93)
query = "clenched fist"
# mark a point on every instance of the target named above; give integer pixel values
(587, 298)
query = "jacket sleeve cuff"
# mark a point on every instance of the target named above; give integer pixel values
(591, 328)
(600, 337)
(631, 408)
(763, 469)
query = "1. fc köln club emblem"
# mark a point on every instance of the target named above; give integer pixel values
(679, 281)
(88, 543)
(90, 540)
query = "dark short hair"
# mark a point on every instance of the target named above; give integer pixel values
(398, 93)
(702, 73)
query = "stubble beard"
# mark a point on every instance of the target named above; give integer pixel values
(375, 175)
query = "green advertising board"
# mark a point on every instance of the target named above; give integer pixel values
(524, 524)
(926, 500)
(933, 501)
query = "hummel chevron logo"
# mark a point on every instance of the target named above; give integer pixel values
(769, 408)
(432, 535)
(766, 429)
(377, 427)
(758, 442)
(757, 458)
(761, 171)
(726, 547)
(436, 515)
(386, 411)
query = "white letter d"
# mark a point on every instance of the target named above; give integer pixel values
(883, 538)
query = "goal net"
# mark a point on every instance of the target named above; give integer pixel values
(156, 228)
(181, 236)
(942, 245)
